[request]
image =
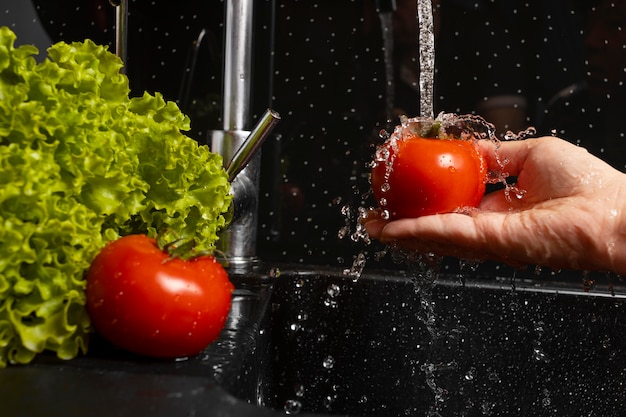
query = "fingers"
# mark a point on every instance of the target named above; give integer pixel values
(440, 228)
(423, 232)
(508, 156)
(468, 237)
(374, 227)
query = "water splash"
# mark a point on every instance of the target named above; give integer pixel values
(352, 226)
(468, 127)
(356, 270)
(523, 134)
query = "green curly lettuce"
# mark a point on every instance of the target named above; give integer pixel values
(81, 164)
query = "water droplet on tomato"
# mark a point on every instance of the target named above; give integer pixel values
(385, 187)
(382, 154)
(451, 169)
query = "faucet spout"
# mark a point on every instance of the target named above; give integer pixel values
(237, 146)
(252, 143)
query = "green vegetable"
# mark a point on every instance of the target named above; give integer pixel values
(82, 164)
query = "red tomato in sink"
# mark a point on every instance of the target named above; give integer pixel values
(428, 176)
(148, 304)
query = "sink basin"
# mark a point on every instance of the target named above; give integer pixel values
(388, 345)
(312, 341)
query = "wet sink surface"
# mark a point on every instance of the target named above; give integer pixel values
(382, 346)
(312, 343)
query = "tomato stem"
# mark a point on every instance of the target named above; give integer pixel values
(182, 248)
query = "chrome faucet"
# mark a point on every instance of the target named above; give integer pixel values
(238, 146)
(239, 149)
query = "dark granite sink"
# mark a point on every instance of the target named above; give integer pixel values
(501, 347)
(312, 343)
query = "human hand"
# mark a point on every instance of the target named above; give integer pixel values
(572, 215)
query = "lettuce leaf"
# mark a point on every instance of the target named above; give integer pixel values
(82, 163)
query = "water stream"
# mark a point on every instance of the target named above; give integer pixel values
(426, 56)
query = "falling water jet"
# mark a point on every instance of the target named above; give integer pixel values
(426, 40)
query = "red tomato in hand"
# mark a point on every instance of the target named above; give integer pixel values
(148, 304)
(428, 176)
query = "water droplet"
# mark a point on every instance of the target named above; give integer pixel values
(330, 303)
(539, 355)
(299, 390)
(333, 290)
(274, 273)
(588, 282)
(329, 362)
(487, 408)
(294, 327)
(328, 401)
(293, 407)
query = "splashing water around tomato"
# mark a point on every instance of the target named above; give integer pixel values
(430, 166)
